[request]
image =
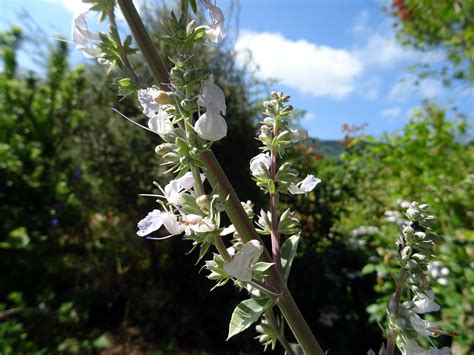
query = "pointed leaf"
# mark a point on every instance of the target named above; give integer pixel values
(261, 267)
(246, 313)
(288, 252)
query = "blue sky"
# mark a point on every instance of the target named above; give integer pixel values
(338, 59)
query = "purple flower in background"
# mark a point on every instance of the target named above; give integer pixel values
(54, 223)
(77, 174)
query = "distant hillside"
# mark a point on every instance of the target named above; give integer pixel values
(328, 148)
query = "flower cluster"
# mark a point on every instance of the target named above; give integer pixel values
(276, 136)
(416, 250)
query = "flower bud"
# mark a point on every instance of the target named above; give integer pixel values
(164, 148)
(405, 253)
(408, 231)
(190, 28)
(268, 121)
(286, 110)
(163, 98)
(248, 208)
(424, 207)
(429, 220)
(412, 213)
(420, 235)
(203, 202)
(419, 257)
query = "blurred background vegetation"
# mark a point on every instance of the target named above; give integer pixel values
(76, 278)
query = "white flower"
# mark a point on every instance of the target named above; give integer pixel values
(161, 123)
(155, 219)
(212, 97)
(85, 40)
(147, 100)
(298, 135)
(175, 188)
(194, 223)
(304, 186)
(159, 120)
(211, 125)
(437, 271)
(216, 32)
(240, 266)
(150, 223)
(426, 303)
(423, 327)
(260, 164)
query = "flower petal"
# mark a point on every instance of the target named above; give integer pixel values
(426, 303)
(260, 164)
(240, 266)
(217, 32)
(152, 222)
(171, 223)
(212, 96)
(304, 186)
(147, 99)
(211, 126)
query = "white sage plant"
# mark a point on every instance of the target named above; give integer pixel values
(186, 109)
(416, 250)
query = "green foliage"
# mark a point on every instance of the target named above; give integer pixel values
(440, 25)
(246, 313)
(430, 159)
(70, 173)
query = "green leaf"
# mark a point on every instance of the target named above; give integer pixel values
(271, 186)
(102, 342)
(368, 269)
(193, 6)
(288, 252)
(246, 313)
(261, 267)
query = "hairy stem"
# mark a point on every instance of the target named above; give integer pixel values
(141, 36)
(393, 310)
(274, 233)
(219, 180)
(220, 246)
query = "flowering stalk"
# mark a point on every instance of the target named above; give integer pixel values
(415, 250)
(275, 235)
(205, 128)
(393, 309)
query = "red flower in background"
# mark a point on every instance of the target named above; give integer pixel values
(401, 8)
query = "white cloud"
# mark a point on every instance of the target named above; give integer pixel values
(384, 52)
(391, 112)
(370, 88)
(410, 87)
(313, 69)
(361, 23)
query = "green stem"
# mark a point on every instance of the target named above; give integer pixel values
(140, 34)
(393, 310)
(217, 178)
(220, 246)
